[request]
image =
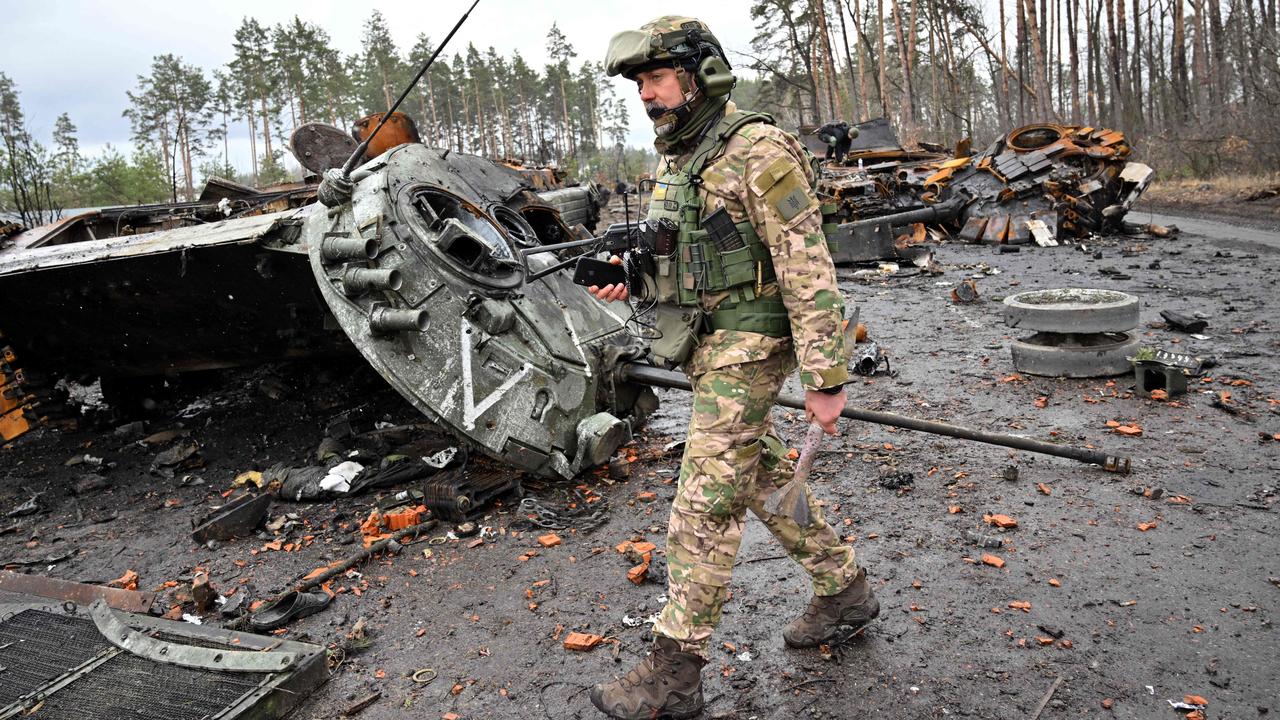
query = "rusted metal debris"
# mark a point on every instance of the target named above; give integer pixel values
(1040, 184)
(17, 404)
(79, 593)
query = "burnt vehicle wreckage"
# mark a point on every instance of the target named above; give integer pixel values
(439, 270)
(1044, 184)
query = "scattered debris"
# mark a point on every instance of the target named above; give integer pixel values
(30, 507)
(966, 292)
(359, 705)
(1184, 323)
(287, 608)
(983, 541)
(238, 518)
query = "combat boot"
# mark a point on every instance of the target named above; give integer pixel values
(834, 618)
(666, 684)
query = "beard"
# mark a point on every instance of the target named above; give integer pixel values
(664, 118)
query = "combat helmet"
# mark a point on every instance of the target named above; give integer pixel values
(672, 41)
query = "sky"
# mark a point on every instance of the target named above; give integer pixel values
(82, 56)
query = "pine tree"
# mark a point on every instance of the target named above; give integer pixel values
(26, 190)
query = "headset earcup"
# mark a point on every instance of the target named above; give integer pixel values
(715, 77)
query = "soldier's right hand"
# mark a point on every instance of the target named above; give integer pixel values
(612, 291)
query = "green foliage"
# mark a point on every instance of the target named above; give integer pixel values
(25, 166)
(273, 172)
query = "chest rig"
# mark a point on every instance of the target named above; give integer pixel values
(697, 255)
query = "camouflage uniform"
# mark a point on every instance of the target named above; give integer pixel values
(733, 457)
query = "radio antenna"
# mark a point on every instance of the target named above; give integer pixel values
(364, 145)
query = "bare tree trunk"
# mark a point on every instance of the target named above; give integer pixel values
(1044, 102)
(907, 110)
(1217, 89)
(848, 59)
(828, 64)
(1020, 49)
(1135, 70)
(1113, 55)
(934, 101)
(1199, 58)
(1178, 62)
(1072, 48)
(1122, 65)
(266, 128)
(884, 81)
(1005, 114)
(863, 49)
(253, 141)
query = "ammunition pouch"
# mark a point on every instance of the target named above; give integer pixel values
(678, 330)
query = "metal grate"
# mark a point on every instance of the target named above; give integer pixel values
(127, 686)
(38, 646)
(61, 667)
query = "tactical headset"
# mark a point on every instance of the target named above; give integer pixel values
(711, 71)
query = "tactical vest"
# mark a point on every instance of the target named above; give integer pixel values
(710, 259)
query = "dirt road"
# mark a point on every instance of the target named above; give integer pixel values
(1128, 618)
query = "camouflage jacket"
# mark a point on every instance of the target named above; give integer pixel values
(746, 180)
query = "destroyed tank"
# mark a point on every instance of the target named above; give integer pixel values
(424, 271)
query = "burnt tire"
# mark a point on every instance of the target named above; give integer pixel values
(1075, 356)
(1072, 310)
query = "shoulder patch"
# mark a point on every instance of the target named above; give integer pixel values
(773, 173)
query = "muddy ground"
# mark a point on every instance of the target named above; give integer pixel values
(1126, 618)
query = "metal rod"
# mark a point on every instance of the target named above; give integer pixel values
(548, 270)
(560, 246)
(650, 375)
(364, 145)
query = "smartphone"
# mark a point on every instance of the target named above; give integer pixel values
(590, 271)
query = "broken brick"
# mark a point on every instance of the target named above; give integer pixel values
(1147, 526)
(127, 581)
(993, 561)
(1022, 605)
(1044, 489)
(549, 540)
(1000, 521)
(1194, 700)
(581, 642)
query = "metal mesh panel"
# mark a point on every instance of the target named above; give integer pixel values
(127, 686)
(38, 646)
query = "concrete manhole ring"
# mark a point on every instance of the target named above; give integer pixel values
(1075, 356)
(1072, 310)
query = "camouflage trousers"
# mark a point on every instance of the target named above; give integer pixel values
(733, 459)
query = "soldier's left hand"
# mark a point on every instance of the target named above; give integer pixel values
(823, 409)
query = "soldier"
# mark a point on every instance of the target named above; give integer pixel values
(744, 291)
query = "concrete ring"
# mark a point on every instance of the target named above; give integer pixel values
(1072, 310)
(1075, 356)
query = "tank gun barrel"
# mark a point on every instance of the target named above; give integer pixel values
(658, 377)
(941, 212)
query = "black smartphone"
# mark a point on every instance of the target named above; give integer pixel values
(590, 271)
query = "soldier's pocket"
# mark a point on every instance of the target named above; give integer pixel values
(775, 467)
(721, 485)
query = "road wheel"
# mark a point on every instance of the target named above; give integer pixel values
(1072, 310)
(1075, 355)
